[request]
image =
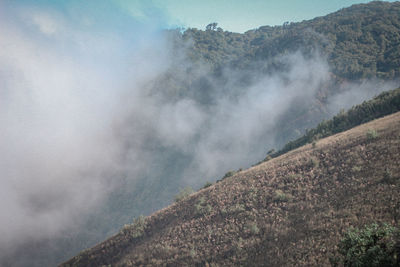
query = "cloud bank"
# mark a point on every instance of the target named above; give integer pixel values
(61, 84)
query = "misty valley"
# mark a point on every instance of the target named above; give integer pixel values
(126, 144)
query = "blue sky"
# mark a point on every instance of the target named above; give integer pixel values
(238, 15)
(232, 15)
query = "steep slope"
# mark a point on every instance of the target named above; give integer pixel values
(384, 104)
(186, 80)
(360, 41)
(291, 210)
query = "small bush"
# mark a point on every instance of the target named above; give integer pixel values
(314, 144)
(239, 245)
(137, 228)
(280, 196)
(314, 163)
(184, 193)
(267, 158)
(237, 208)
(373, 245)
(388, 176)
(289, 179)
(253, 228)
(207, 184)
(202, 207)
(356, 169)
(228, 174)
(371, 134)
(192, 253)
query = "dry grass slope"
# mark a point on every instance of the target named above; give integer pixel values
(291, 210)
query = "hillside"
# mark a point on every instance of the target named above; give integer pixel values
(221, 66)
(223, 100)
(384, 104)
(359, 41)
(291, 210)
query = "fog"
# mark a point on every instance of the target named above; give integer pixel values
(61, 84)
(83, 111)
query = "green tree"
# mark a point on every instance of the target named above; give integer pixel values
(373, 245)
(212, 26)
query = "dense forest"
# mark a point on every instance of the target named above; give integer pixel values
(361, 41)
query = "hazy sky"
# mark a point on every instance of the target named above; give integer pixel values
(239, 15)
(232, 15)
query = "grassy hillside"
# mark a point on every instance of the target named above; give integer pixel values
(291, 210)
(384, 104)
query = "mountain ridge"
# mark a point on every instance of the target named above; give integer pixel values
(360, 42)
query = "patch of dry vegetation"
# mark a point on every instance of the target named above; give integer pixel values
(291, 210)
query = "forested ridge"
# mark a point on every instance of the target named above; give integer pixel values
(360, 41)
(384, 104)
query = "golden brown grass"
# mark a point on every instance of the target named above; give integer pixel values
(291, 210)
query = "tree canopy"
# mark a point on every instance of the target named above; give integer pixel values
(360, 42)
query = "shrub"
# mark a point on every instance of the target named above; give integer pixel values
(373, 245)
(228, 174)
(314, 144)
(137, 228)
(253, 228)
(356, 169)
(184, 193)
(237, 208)
(371, 134)
(207, 184)
(192, 253)
(314, 163)
(202, 207)
(280, 196)
(387, 176)
(267, 158)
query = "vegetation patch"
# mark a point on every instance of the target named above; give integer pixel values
(356, 168)
(184, 193)
(371, 134)
(207, 184)
(137, 228)
(314, 163)
(384, 104)
(388, 177)
(202, 207)
(252, 228)
(280, 196)
(228, 174)
(373, 245)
